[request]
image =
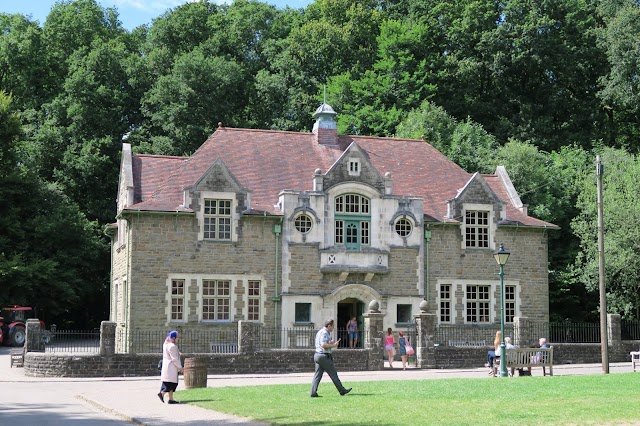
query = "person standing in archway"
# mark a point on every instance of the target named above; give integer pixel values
(352, 329)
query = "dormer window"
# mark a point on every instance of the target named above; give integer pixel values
(354, 167)
(217, 219)
(352, 221)
(477, 229)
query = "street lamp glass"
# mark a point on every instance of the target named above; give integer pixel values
(501, 255)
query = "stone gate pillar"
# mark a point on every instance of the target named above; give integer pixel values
(33, 339)
(523, 334)
(614, 329)
(107, 338)
(426, 328)
(248, 333)
(373, 335)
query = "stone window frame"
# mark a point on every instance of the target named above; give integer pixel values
(477, 304)
(490, 227)
(213, 292)
(362, 216)
(510, 303)
(220, 220)
(254, 300)
(193, 285)
(354, 166)
(399, 308)
(445, 305)
(177, 299)
(458, 298)
(303, 228)
(309, 307)
(403, 227)
(235, 216)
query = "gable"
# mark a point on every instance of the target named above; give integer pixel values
(354, 166)
(475, 192)
(218, 179)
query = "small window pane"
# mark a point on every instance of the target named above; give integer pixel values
(303, 312)
(303, 223)
(403, 227)
(404, 313)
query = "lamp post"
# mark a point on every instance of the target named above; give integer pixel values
(501, 257)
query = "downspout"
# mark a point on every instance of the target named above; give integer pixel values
(277, 230)
(125, 293)
(427, 239)
(109, 234)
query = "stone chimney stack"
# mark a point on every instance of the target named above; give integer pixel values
(325, 128)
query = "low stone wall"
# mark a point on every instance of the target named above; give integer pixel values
(38, 364)
(565, 353)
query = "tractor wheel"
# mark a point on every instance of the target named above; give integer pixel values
(17, 335)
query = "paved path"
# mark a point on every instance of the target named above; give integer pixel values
(122, 401)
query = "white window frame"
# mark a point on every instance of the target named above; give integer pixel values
(253, 298)
(235, 217)
(216, 298)
(488, 208)
(180, 297)
(449, 300)
(354, 166)
(459, 287)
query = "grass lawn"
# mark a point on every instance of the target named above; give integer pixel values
(612, 399)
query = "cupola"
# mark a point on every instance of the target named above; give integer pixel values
(325, 128)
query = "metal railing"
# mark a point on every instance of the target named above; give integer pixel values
(71, 341)
(291, 338)
(213, 340)
(468, 335)
(630, 330)
(573, 332)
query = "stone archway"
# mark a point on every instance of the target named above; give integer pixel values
(347, 301)
(356, 291)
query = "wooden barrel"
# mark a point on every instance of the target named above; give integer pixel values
(195, 372)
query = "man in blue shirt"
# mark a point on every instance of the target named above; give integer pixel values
(324, 360)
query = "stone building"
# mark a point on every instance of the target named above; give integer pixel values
(287, 229)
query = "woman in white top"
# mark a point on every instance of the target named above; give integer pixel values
(171, 366)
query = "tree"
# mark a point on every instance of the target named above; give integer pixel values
(401, 78)
(620, 39)
(466, 143)
(49, 251)
(187, 104)
(22, 62)
(621, 233)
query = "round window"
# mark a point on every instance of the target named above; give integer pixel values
(303, 223)
(403, 227)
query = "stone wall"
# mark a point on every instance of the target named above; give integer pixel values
(38, 364)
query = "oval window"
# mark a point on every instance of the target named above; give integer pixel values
(303, 223)
(403, 227)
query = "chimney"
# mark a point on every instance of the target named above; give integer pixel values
(325, 127)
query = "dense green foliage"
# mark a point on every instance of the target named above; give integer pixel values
(536, 86)
(585, 400)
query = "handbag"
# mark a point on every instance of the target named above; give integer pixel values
(160, 365)
(409, 349)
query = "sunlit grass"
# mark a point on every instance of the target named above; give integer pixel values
(567, 400)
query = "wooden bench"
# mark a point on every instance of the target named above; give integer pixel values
(635, 359)
(17, 357)
(527, 358)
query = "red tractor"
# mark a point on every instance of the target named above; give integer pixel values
(12, 324)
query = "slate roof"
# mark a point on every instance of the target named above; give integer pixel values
(267, 162)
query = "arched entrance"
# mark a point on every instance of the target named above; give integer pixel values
(348, 308)
(351, 300)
